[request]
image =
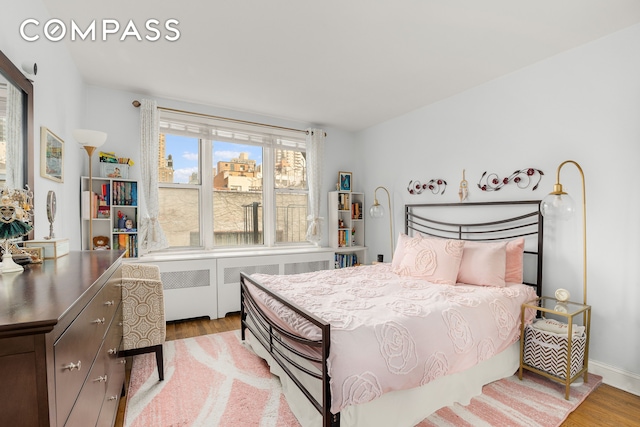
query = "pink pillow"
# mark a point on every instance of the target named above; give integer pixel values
(483, 263)
(435, 260)
(403, 242)
(515, 254)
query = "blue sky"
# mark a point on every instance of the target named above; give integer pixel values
(185, 154)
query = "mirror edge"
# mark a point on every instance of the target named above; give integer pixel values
(15, 76)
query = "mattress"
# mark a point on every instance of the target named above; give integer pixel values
(391, 333)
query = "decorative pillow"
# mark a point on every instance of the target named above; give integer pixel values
(483, 263)
(398, 254)
(515, 254)
(435, 260)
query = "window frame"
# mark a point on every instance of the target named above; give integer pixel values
(269, 190)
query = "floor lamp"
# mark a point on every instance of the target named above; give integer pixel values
(377, 211)
(558, 204)
(90, 140)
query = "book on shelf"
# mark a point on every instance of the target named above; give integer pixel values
(346, 260)
(90, 210)
(356, 210)
(127, 243)
(106, 193)
(125, 193)
(343, 201)
(343, 238)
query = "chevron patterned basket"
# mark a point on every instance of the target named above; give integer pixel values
(548, 351)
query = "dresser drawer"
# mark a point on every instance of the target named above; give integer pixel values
(75, 351)
(112, 293)
(115, 383)
(86, 410)
(112, 341)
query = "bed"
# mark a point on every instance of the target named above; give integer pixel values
(389, 344)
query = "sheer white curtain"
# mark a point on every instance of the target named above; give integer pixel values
(151, 235)
(15, 145)
(315, 154)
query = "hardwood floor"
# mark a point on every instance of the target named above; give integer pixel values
(606, 406)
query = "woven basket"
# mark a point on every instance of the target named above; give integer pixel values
(548, 351)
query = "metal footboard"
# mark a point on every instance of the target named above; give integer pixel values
(277, 342)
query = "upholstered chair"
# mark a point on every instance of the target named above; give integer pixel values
(144, 327)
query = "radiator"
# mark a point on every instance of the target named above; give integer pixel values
(211, 286)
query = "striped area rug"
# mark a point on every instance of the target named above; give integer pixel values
(533, 402)
(212, 380)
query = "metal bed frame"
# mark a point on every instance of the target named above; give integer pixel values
(276, 340)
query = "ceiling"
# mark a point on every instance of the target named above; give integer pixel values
(335, 63)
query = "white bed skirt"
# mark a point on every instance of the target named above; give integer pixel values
(404, 408)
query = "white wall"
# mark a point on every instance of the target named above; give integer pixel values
(58, 105)
(582, 105)
(111, 111)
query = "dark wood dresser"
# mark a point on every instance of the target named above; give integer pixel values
(60, 331)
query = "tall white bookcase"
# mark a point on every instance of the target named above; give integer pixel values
(346, 227)
(114, 196)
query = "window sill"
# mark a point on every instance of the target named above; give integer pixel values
(176, 255)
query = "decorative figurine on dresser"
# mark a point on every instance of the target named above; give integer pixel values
(16, 210)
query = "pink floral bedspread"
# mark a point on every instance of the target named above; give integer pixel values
(391, 332)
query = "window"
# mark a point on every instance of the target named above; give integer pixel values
(179, 191)
(227, 184)
(291, 191)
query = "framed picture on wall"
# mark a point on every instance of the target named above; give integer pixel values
(345, 181)
(51, 155)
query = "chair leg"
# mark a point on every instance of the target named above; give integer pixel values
(157, 349)
(160, 361)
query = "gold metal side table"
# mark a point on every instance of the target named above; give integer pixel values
(566, 309)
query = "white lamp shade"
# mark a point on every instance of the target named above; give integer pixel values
(557, 206)
(89, 138)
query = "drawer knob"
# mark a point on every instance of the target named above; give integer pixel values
(123, 361)
(71, 366)
(100, 321)
(112, 351)
(101, 379)
(113, 398)
(109, 303)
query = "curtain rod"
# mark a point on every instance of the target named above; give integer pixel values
(137, 104)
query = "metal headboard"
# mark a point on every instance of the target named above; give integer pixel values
(485, 221)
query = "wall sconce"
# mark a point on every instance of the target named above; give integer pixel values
(30, 69)
(377, 211)
(90, 140)
(558, 204)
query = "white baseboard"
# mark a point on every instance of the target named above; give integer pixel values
(616, 377)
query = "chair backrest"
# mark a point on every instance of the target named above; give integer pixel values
(142, 306)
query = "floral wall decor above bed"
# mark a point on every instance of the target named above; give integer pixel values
(436, 186)
(522, 178)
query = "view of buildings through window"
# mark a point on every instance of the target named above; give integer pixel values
(231, 177)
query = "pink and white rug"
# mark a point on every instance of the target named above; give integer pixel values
(212, 380)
